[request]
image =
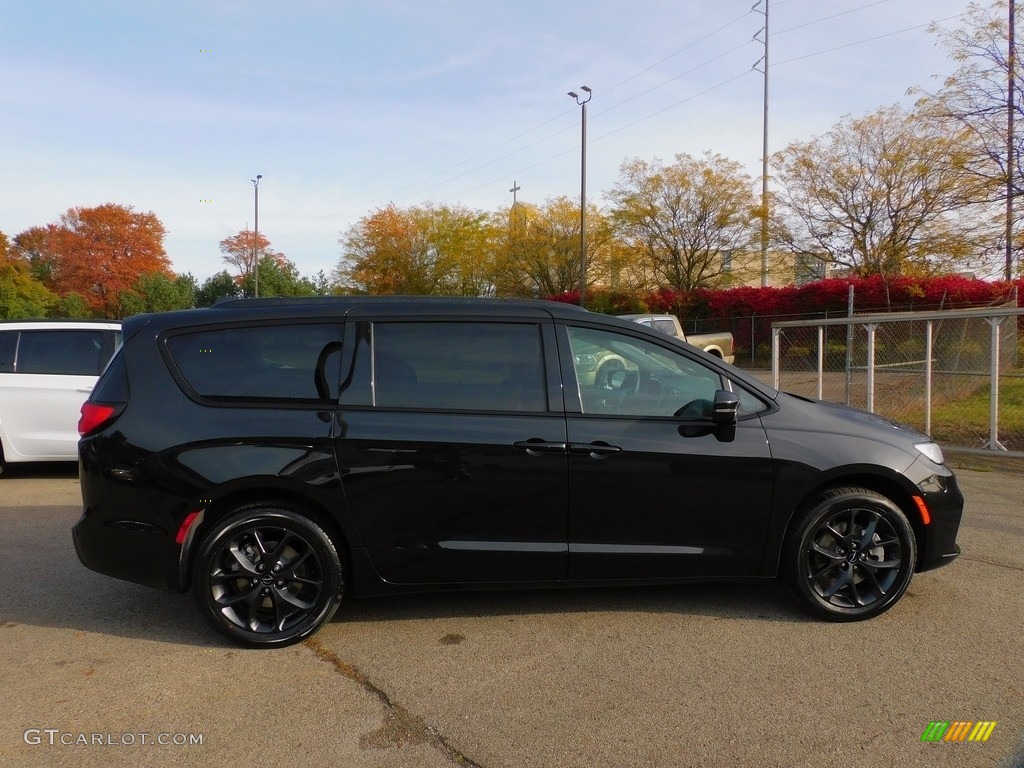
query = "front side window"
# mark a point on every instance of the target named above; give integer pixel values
(624, 375)
(66, 352)
(458, 365)
(290, 362)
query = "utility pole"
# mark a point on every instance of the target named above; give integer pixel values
(763, 62)
(1011, 165)
(583, 191)
(256, 239)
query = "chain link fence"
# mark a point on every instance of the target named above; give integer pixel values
(957, 375)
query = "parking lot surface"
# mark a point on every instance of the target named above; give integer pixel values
(100, 672)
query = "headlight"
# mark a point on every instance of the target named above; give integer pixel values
(931, 450)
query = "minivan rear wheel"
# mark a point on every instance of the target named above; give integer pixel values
(267, 576)
(850, 555)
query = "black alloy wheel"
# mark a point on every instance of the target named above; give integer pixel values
(851, 555)
(267, 577)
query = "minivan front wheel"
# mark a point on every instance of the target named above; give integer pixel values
(267, 577)
(850, 555)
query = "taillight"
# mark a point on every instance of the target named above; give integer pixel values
(95, 416)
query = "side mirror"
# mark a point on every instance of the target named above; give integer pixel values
(724, 407)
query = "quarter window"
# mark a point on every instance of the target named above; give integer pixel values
(290, 362)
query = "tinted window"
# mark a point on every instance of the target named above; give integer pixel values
(61, 352)
(263, 362)
(466, 366)
(620, 374)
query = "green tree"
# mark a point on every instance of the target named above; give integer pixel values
(219, 286)
(684, 224)
(278, 277)
(21, 296)
(72, 306)
(157, 292)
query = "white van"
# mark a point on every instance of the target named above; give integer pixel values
(47, 370)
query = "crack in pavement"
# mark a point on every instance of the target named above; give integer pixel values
(990, 562)
(400, 725)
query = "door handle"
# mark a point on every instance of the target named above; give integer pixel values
(537, 447)
(596, 450)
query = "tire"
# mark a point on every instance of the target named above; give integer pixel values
(850, 555)
(267, 576)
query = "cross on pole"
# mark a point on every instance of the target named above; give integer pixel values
(515, 188)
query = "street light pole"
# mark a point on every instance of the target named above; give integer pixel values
(583, 189)
(256, 239)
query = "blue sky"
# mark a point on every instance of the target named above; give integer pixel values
(345, 106)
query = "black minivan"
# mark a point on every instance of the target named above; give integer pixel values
(275, 455)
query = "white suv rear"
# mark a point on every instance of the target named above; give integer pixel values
(47, 370)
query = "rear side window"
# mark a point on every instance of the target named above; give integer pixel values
(279, 362)
(66, 352)
(458, 365)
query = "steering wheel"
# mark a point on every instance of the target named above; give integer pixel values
(603, 378)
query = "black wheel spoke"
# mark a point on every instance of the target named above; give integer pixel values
(819, 574)
(285, 596)
(241, 558)
(248, 596)
(289, 571)
(869, 575)
(838, 584)
(829, 553)
(288, 536)
(883, 564)
(869, 531)
(259, 542)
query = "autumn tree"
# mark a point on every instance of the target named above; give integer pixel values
(439, 250)
(974, 103)
(684, 224)
(538, 248)
(96, 253)
(883, 194)
(240, 250)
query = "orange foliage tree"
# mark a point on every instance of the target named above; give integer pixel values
(97, 253)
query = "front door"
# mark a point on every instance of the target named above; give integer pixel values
(656, 490)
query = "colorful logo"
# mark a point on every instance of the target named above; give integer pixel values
(959, 730)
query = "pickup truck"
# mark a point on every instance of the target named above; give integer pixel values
(717, 344)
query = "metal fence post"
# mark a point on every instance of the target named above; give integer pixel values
(993, 396)
(849, 344)
(871, 328)
(928, 378)
(775, 357)
(821, 359)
